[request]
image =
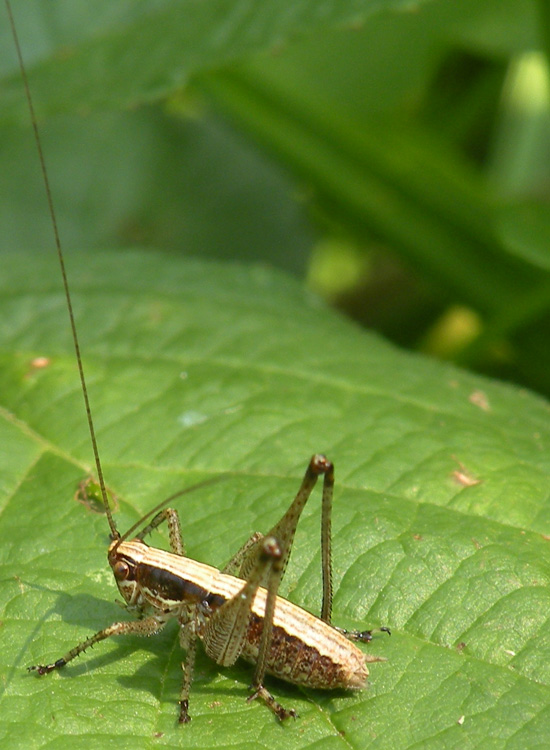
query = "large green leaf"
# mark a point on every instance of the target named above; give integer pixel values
(199, 369)
(126, 54)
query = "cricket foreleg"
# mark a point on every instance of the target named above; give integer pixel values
(147, 626)
(174, 529)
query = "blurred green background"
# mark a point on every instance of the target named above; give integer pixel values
(396, 155)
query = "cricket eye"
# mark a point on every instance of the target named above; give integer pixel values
(121, 570)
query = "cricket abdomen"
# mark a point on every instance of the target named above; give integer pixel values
(306, 651)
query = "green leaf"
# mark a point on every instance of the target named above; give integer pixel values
(98, 57)
(525, 229)
(405, 188)
(441, 513)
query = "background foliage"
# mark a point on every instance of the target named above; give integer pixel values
(393, 154)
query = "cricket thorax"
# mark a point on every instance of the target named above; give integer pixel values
(163, 584)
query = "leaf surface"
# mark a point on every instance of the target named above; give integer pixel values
(441, 513)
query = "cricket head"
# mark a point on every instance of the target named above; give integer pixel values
(124, 558)
(125, 553)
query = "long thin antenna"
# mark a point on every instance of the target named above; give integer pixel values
(114, 532)
(163, 504)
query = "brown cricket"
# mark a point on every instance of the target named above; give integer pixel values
(237, 612)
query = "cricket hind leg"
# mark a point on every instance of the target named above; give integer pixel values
(241, 561)
(227, 627)
(274, 573)
(280, 712)
(284, 530)
(252, 563)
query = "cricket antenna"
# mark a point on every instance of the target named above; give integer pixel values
(185, 491)
(114, 532)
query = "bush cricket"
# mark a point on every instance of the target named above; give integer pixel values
(235, 612)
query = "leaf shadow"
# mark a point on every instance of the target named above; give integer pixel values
(160, 675)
